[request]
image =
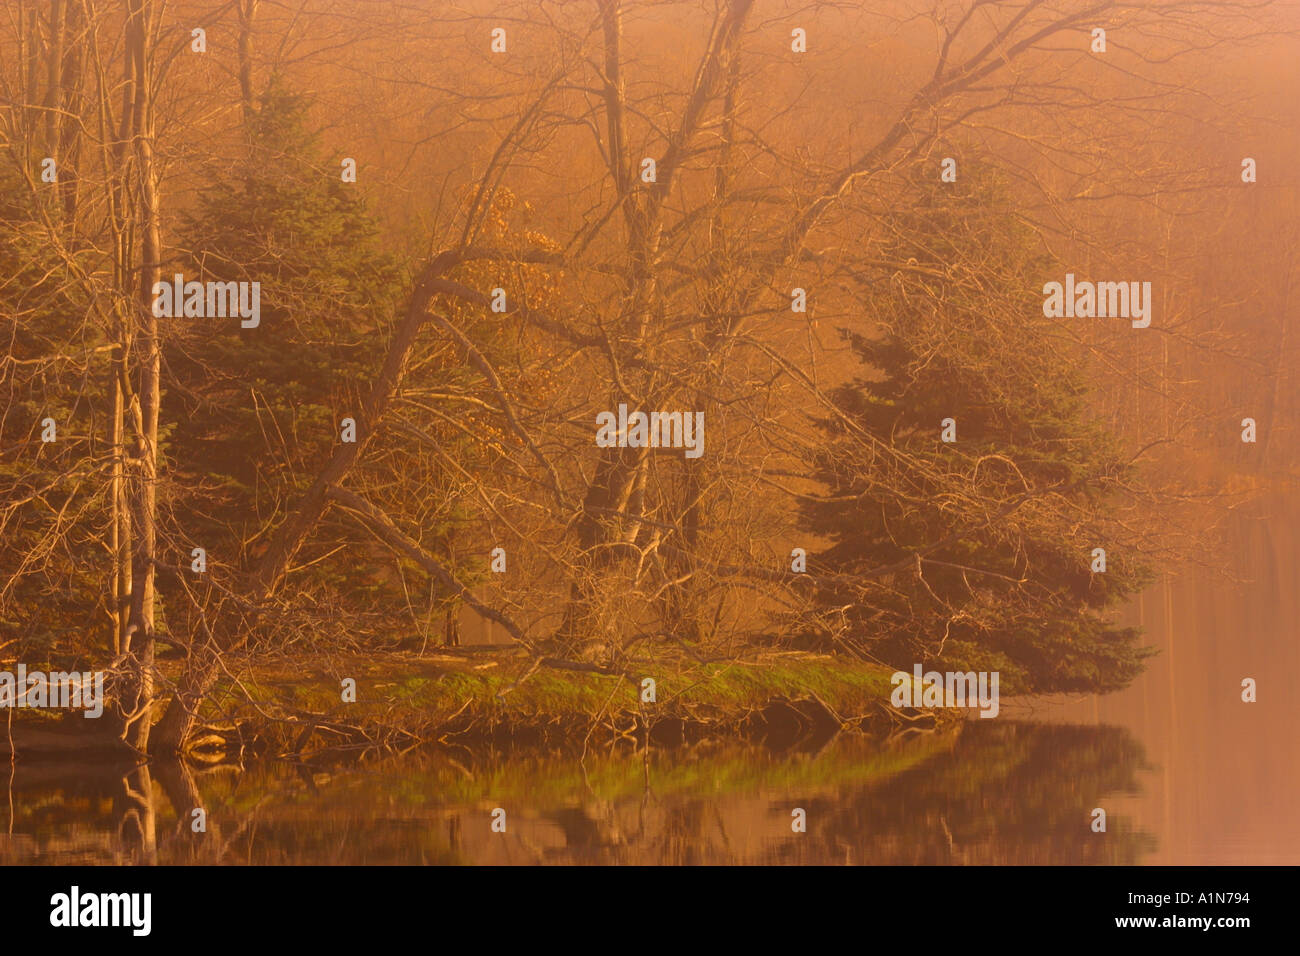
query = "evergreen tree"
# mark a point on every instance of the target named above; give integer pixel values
(257, 411)
(976, 554)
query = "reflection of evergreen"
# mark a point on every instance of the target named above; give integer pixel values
(1013, 793)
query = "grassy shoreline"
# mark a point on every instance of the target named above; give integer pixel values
(500, 696)
(505, 696)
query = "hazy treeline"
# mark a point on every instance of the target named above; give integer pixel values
(475, 230)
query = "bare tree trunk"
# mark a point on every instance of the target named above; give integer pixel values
(53, 67)
(247, 13)
(136, 695)
(450, 628)
(682, 600)
(30, 126)
(120, 534)
(69, 145)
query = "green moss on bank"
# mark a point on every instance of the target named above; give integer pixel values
(504, 692)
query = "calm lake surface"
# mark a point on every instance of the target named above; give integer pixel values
(1187, 772)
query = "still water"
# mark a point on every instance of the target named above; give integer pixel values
(1186, 771)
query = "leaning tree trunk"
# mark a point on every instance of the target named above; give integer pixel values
(203, 664)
